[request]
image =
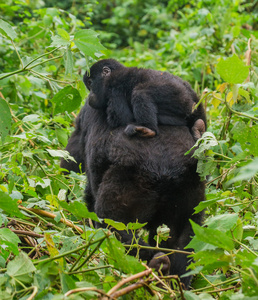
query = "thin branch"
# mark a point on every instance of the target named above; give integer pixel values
(17, 53)
(48, 78)
(64, 253)
(36, 215)
(26, 69)
(248, 55)
(204, 96)
(129, 289)
(42, 55)
(217, 284)
(171, 251)
(241, 114)
(52, 216)
(86, 289)
(29, 233)
(35, 290)
(128, 279)
(221, 290)
(44, 61)
(247, 248)
(89, 270)
(90, 255)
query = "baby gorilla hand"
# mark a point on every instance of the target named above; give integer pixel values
(141, 131)
(161, 263)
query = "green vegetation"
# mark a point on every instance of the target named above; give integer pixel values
(49, 248)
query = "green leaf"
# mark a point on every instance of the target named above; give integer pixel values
(58, 41)
(190, 296)
(203, 204)
(246, 172)
(9, 239)
(207, 141)
(134, 226)
(79, 210)
(9, 205)
(7, 235)
(247, 136)
(86, 40)
(213, 237)
(31, 118)
(61, 136)
(60, 153)
(68, 99)
(7, 30)
(238, 230)
(116, 254)
(5, 119)
(68, 58)
(4, 295)
(233, 70)
(64, 34)
(223, 222)
(245, 94)
(116, 225)
(67, 283)
(21, 268)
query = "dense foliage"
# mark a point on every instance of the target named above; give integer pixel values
(49, 248)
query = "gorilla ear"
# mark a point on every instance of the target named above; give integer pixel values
(106, 71)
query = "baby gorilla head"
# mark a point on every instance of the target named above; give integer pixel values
(95, 82)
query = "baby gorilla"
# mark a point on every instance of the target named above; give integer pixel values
(142, 99)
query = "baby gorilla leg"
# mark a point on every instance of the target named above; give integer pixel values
(140, 131)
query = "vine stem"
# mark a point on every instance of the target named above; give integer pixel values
(66, 253)
(26, 69)
(244, 246)
(234, 111)
(160, 249)
(17, 53)
(62, 254)
(215, 285)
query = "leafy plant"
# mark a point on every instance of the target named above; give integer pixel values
(49, 247)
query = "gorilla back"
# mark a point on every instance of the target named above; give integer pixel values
(149, 180)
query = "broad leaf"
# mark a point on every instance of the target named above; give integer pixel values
(9, 205)
(79, 210)
(10, 239)
(116, 225)
(21, 268)
(223, 222)
(116, 255)
(7, 30)
(213, 237)
(86, 40)
(246, 172)
(67, 282)
(60, 153)
(134, 226)
(68, 99)
(59, 41)
(233, 70)
(5, 119)
(247, 136)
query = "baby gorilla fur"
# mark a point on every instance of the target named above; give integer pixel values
(142, 99)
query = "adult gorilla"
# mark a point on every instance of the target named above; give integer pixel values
(131, 178)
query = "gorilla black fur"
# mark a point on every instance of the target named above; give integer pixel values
(142, 98)
(149, 180)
